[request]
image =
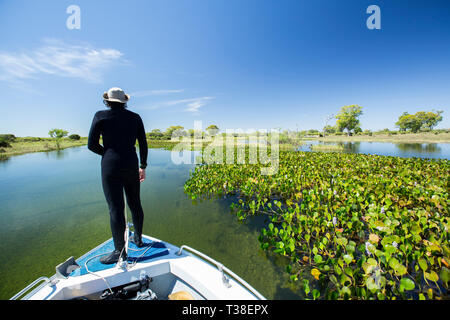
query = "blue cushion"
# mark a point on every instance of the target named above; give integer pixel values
(157, 249)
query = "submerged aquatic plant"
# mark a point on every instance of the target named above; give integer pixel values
(353, 225)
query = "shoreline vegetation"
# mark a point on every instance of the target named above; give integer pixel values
(36, 144)
(288, 140)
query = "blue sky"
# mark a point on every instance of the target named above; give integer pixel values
(249, 64)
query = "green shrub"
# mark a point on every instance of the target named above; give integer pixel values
(4, 143)
(8, 137)
(74, 137)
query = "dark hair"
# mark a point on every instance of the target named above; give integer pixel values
(114, 104)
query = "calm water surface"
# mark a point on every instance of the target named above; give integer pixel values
(53, 207)
(419, 150)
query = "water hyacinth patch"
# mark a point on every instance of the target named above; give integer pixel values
(353, 225)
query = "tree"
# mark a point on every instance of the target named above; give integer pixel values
(155, 134)
(212, 130)
(419, 120)
(329, 129)
(430, 119)
(347, 118)
(57, 134)
(174, 132)
(407, 121)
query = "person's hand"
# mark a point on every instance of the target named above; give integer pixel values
(141, 175)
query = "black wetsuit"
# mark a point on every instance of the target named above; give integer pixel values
(120, 128)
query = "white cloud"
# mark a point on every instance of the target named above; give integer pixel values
(58, 59)
(192, 104)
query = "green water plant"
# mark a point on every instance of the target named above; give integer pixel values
(353, 226)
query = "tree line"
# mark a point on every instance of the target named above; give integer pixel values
(348, 120)
(179, 131)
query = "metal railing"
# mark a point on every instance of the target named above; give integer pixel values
(30, 286)
(222, 269)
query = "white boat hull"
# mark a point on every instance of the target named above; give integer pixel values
(176, 270)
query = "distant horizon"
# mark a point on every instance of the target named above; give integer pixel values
(238, 64)
(245, 131)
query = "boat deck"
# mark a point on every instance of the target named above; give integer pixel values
(151, 250)
(171, 269)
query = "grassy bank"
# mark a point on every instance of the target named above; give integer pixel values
(33, 144)
(423, 137)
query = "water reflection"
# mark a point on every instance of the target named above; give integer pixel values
(352, 147)
(423, 148)
(3, 159)
(58, 154)
(419, 147)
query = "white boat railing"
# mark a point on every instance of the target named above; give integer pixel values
(222, 269)
(30, 286)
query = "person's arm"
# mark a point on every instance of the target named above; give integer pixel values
(143, 147)
(94, 137)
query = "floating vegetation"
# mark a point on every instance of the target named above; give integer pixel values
(354, 226)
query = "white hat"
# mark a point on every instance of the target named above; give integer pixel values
(116, 95)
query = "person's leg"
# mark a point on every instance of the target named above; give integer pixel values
(113, 190)
(132, 191)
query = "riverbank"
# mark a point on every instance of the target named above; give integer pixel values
(34, 144)
(422, 137)
(31, 144)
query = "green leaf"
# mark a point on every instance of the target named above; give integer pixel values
(348, 258)
(407, 283)
(445, 275)
(317, 258)
(346, 290)
(423, 264)
(342, 241)
(350, 248)
(306, 286)
(431, 276)
(316, 294)
(291, 247)
(371, 285)
(397, 267)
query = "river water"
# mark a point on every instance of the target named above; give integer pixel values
(53, 207)
(419, 150)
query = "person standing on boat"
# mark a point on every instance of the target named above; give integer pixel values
(120, 167)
